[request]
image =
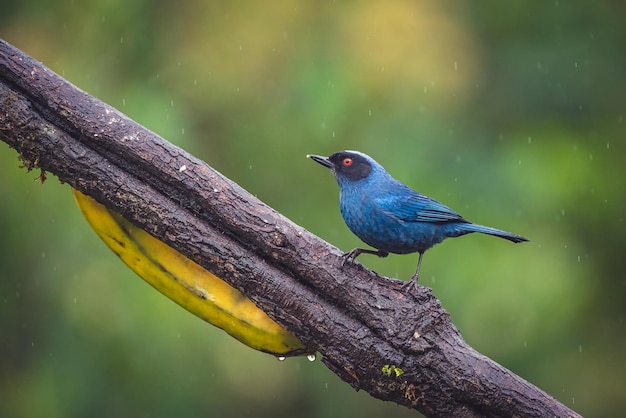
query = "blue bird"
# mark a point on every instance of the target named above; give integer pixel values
(390, 216)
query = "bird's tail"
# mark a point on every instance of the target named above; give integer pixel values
(470, 227)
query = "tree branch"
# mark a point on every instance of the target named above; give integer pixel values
(360, 322)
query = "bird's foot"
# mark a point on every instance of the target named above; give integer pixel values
(355, 252)
(411, 284)
(350, 255)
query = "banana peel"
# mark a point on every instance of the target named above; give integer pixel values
(187, 283)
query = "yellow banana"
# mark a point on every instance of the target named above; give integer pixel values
(187, 283)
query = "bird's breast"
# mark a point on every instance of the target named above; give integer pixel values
(376, 225)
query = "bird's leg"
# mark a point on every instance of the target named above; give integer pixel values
(354, 253)
(413, 282)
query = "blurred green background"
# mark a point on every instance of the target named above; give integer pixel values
(511, 113)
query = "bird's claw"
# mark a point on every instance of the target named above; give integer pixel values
(411, 284)
(349, 256)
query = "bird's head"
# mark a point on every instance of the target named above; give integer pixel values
(349, 166)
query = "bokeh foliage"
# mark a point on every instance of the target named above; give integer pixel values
(512, 113)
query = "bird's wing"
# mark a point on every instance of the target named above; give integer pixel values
(415, 207)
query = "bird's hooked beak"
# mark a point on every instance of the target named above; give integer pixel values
(321, 160)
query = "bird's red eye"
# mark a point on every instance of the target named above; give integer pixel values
(347, 162)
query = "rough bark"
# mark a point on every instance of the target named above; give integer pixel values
(361, 323)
